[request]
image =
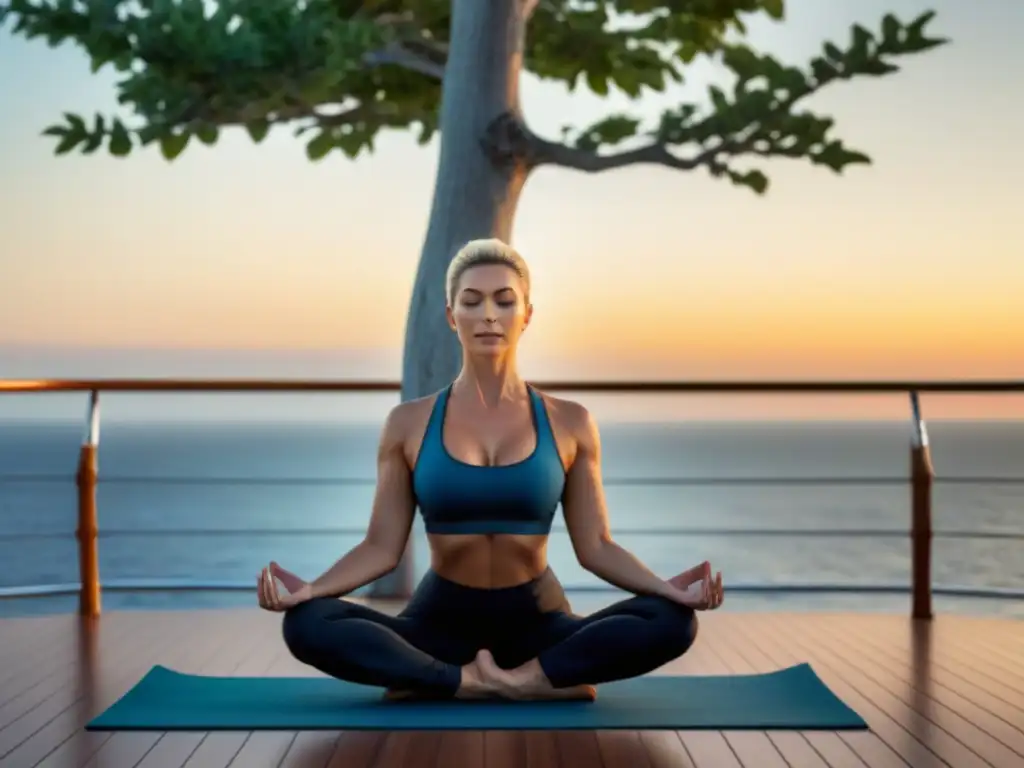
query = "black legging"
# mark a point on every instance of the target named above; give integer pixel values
(445, 624)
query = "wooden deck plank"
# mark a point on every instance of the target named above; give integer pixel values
(793, 746)
(47, 656)
(106, 665)
(359, 749)
(759, 747)
(577, 747)
(947, 673)
(911, 667)
(21, 651)
(978, 662)
(38, 677)
(813, 641)
(666, 750)
(217, 750)
(171, 750)
(267, 749)
(704, 749)
(85, 748)
(952, 737)
(934, 698)
(747, 747)
(886, 745)
(505, 749)
(541, 751)
(621, 749)
(994, 643)
(310, 749)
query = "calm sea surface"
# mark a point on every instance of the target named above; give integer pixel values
(215, 502)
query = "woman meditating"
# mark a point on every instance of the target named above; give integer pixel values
(487, 461)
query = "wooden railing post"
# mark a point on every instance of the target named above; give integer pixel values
(88, 525)
(922, 473)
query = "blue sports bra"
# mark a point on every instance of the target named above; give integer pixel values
(456, 497)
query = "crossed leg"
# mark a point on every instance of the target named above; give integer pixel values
(562, 657)
(627, 639)
(361, 645)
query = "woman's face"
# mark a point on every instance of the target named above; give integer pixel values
(489, 310)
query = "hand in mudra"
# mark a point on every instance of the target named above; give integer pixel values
(271, 598)
(698, 589)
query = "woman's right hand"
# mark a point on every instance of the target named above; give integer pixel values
(271, 599)
(697, 588)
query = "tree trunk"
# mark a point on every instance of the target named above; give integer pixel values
(474, 196)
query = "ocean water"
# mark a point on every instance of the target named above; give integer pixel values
(210, 501)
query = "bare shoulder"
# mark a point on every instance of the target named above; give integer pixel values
(404, 417)
(573, 423)
(405, 424)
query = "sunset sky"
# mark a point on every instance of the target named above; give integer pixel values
(911, 267)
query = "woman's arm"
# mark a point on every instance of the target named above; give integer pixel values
(586, 517)
(390, 522)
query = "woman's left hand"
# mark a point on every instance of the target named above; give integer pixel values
(697, 589)
(270, 599)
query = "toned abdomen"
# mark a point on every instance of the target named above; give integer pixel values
(488, 561)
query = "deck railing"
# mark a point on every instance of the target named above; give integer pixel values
(921, 477)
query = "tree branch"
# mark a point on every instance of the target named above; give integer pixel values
(758, 119)
(588, 161)
(508, 141)
(399, 55)
(414, 49)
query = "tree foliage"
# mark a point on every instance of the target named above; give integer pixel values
(341, 71)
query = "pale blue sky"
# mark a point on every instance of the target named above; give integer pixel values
(911, 267)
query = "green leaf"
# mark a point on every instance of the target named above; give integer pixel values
(754, 180)
(861, 42)
(916, 41)
(427, 131)
(69, 142)
(173, 144)
(320, 145)
(833, 53)
(352, 143)
(257, 129)
(836, 157)
(93, 142)
(207, 134)
(922, 45)
(823, 70)
(189, 67)
(891, 31)
(597, 83)
(916, 27)
(75, 123)
(718, 99)
(120, 143)
(743, 61)
(878, 67)
(774, 8)
(608, 132)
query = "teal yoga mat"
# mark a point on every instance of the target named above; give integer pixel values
(165, 700)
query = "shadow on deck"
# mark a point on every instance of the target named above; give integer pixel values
(944, 693)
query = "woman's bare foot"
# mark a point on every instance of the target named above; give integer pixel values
(475, 684)
(472, 686)
(527, 682)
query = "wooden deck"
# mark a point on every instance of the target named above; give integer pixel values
(946, 694)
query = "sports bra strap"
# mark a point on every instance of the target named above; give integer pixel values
(435, 425)
(544, 431)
